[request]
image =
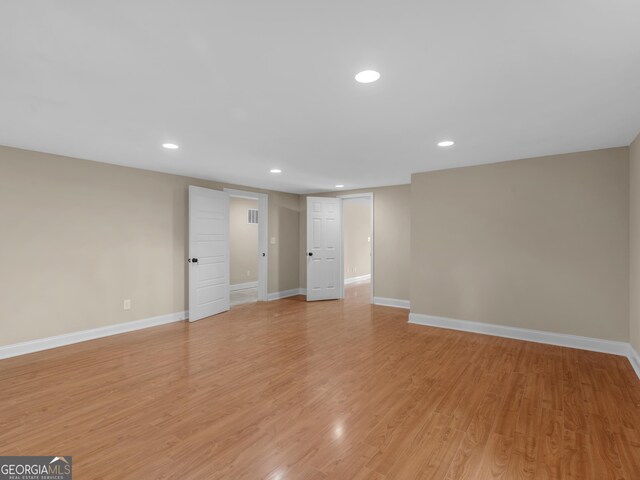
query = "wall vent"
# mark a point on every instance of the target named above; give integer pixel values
(252, 215)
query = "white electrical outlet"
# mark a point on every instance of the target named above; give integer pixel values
(273, 240)
(248, 273)
(127, 304)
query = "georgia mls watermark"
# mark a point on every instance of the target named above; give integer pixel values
(35, 468)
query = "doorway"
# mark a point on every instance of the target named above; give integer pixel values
(247, 247)
(358, 252)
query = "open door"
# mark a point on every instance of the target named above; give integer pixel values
(208, 252)
(324, 248)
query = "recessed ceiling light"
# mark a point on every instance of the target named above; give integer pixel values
(446, 143)
(275, 170)
(340, 186)
(367, 76)
(170, 146)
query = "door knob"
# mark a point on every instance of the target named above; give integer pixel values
(264, 254)
(192, 260)
(311, 254)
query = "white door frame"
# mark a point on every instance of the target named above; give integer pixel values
(368, 195)
(263, 234)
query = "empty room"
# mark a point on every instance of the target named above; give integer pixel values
(320, 240)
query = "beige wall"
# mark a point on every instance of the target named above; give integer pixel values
(79, 237)
(634, 274)
(243, 242)
(391, 226)
(357, 230)
(540, 243)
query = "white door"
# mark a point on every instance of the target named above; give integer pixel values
(208, 252)
(324, 248)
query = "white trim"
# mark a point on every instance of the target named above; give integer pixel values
(82, 336)
(243, 286)
(263, 236)
(634, 359)
(286, 294)
(361, 278)
(234, 192)
(538, 336)
(356, 195)
(391, 302)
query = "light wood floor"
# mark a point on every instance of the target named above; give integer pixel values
(290, 390)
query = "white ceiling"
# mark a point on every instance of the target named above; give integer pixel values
(245, 86)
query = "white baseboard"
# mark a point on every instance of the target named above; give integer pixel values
(361, 278)
(243, 286)
(634, 359)
(286, 294)
(82, 336)
(391, 302)
(538, 336)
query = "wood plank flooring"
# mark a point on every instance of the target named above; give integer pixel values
(328, 390)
